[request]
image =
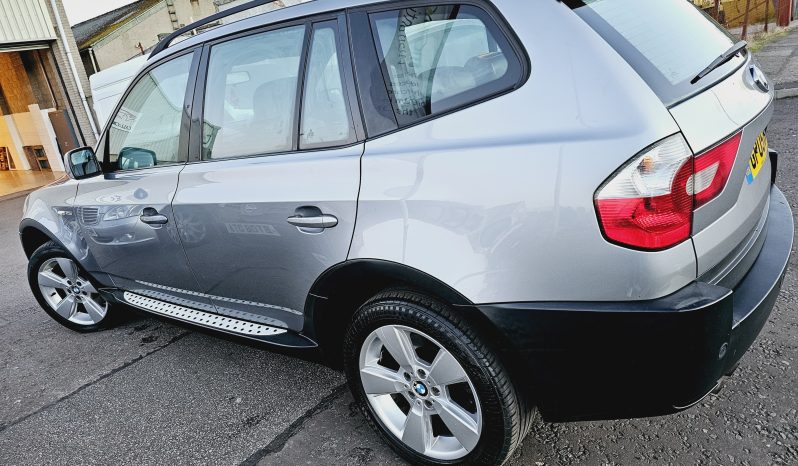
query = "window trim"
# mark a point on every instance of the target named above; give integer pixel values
(183, 143)
(345, 62)
(367, 51)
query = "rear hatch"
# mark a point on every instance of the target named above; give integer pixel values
(670, 43)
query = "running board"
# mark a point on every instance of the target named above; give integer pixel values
(209, 320)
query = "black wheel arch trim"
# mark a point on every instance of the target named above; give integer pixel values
(27, 224)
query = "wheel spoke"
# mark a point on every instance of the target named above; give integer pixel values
(459, 422)
(380, 381)
(68, 267)
(88, 288)
(52, 280)
(67, 307)
(95, 310)
(445, 370)
(417, 432)
(398, 343)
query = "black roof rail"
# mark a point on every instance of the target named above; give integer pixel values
(164, 44)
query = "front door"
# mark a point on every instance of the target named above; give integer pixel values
(270, 203)
(125, 215)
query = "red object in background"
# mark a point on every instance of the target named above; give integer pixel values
(783, 12)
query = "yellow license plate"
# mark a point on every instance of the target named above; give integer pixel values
(757, 159)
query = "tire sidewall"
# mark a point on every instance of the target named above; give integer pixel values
(495, 421)
(51, 251)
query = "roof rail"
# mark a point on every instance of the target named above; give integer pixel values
(164, 44)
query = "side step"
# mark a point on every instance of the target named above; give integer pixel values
(229, 325)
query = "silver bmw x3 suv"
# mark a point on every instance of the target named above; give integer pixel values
(481, 210)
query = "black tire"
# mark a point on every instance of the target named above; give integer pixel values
(506, 415)
(51, 250)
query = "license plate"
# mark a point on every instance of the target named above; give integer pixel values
(757, 159)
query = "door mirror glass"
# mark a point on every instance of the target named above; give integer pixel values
(132, 158)
(82, 163)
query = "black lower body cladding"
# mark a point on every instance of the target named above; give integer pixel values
(635, 359)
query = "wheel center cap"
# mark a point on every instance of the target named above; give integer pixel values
(75, 290)
(420, 388)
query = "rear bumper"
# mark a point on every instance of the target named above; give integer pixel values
(633, 359)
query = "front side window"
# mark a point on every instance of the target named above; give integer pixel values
(437, 58)
(251, 94)
(145, 132)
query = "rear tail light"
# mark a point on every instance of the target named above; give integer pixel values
(712, 170)
(648, 204)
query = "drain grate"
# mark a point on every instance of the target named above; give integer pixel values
(206, 319)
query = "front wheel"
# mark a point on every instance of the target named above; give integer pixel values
(426, 382)
(65, 291)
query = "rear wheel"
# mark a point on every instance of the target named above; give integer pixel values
(65, 291)
(429, 385)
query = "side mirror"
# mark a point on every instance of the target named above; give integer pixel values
(131, 158)
(82, 163)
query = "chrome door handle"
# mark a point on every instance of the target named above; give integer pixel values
(151, 216)
(321, 221)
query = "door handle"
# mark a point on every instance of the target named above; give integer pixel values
(151, 216)
(320, 221)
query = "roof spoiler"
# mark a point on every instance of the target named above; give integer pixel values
(167, 41)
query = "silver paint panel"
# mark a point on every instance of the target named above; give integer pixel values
(708, 118)
(133, 253)
(504, 211)
(233, 217)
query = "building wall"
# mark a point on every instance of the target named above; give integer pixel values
(35, 26)
(27, 123)
(77, 111)
(189, 11)
(122, 44)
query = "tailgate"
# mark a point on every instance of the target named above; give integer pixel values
(726, 228)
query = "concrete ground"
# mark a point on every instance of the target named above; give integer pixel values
(148, 392)
(779, 60)
(15, 181)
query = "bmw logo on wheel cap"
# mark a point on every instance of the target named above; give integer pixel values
(420, 389)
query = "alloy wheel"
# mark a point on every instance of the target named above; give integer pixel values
(69, 294)
(420, 392)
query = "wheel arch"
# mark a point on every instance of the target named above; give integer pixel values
(33, 234)
(340, 291)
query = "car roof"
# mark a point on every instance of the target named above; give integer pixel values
(313, 7)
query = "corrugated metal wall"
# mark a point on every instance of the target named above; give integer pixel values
(24, 21)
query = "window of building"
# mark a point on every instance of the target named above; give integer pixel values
(146, 130)
(437, 58)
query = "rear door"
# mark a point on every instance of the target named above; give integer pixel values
(269, 201)
(125, 215)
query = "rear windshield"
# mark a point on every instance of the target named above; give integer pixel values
(668, 42)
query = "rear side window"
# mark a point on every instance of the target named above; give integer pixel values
(668, 42)
(437, 58)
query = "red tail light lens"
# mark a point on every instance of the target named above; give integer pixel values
(649, 203)
(712, 170)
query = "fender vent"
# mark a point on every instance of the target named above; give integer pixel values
(206, 319)
(90, 215)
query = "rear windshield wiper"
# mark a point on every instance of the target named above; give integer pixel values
(725, 57)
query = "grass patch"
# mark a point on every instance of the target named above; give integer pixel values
(760, 39)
